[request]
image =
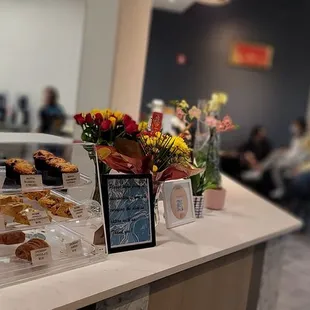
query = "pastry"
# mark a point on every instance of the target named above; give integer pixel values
(5, 199)
(40, 157)
(22, 216)
(24, 250)
(49, 201)
(37, 195)
(54, 166)
(12, 237)
(15, 167)
(62, 209)
(12, 209)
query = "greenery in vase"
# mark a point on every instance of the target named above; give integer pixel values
(207, 157)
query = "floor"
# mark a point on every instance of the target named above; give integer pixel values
(294, 291)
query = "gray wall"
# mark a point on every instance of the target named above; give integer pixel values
(205, 34)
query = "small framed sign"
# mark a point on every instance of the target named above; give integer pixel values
(128, 212)
(178, 203)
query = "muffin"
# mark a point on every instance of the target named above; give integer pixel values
(53, 166)
(9, 166)
(40, 157)
(15, 167)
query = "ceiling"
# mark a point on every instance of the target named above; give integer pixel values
(182, 5)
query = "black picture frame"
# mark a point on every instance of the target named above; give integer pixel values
(107, 219)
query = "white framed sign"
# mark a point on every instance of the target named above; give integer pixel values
(178, 203)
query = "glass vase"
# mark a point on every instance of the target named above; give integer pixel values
(212, 172)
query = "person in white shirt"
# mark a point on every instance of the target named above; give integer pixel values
(282, 161)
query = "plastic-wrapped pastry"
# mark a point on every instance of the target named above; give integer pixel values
(62, 209)
(49, 201)
(24, 250)
(12, 209)
(22, 216)
(37, 195)
(12, 237)
(5, 199)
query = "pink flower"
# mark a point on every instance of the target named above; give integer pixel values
(226, 124)
(194, 112)
(180, 114)
(211, 121)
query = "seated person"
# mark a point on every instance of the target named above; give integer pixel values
(282, 161)
(256, 149)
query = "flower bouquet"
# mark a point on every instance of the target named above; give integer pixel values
(206, 152)
(163, 156)
(104, 127)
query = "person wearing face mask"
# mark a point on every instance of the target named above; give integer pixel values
(282, 161)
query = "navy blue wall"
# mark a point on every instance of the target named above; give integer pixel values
(205, 34)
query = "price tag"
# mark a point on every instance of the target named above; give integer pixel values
(38, 218)
(2, 223)
(29, 181)
(41, 257)
(70, 179)
(74, 248)
(79, 212)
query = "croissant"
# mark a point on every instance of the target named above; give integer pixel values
(24, 250)
(13, 237)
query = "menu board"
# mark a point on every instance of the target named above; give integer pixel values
(128, 212)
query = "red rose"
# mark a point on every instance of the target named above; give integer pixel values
(80, 119)
(131, 127)
(127, 120)
(98, 119)
(105, 125)
(89, 119)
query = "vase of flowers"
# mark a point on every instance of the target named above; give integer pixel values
(163, 156)
(103, 127)
(206, 152)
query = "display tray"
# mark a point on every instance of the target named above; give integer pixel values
(9, 186)
(83, 211)
(59, 239)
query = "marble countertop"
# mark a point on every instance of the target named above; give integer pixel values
(247, 220)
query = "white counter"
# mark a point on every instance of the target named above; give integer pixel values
(247, 220)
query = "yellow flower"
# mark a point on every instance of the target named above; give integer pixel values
(222, 98)
(119, 115)
(155, 168)
(106, 113)
(143, 126)
(113, 121)
(183, 105)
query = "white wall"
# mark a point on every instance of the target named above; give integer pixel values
(40, 44)
(98, 48)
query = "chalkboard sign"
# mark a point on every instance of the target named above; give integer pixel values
(128, 212)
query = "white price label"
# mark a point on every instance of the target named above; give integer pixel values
(74, 248)
(2, 223)
(41, 257)
(71, 179)
(38, 218)
(29, 181)
(79, 212)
